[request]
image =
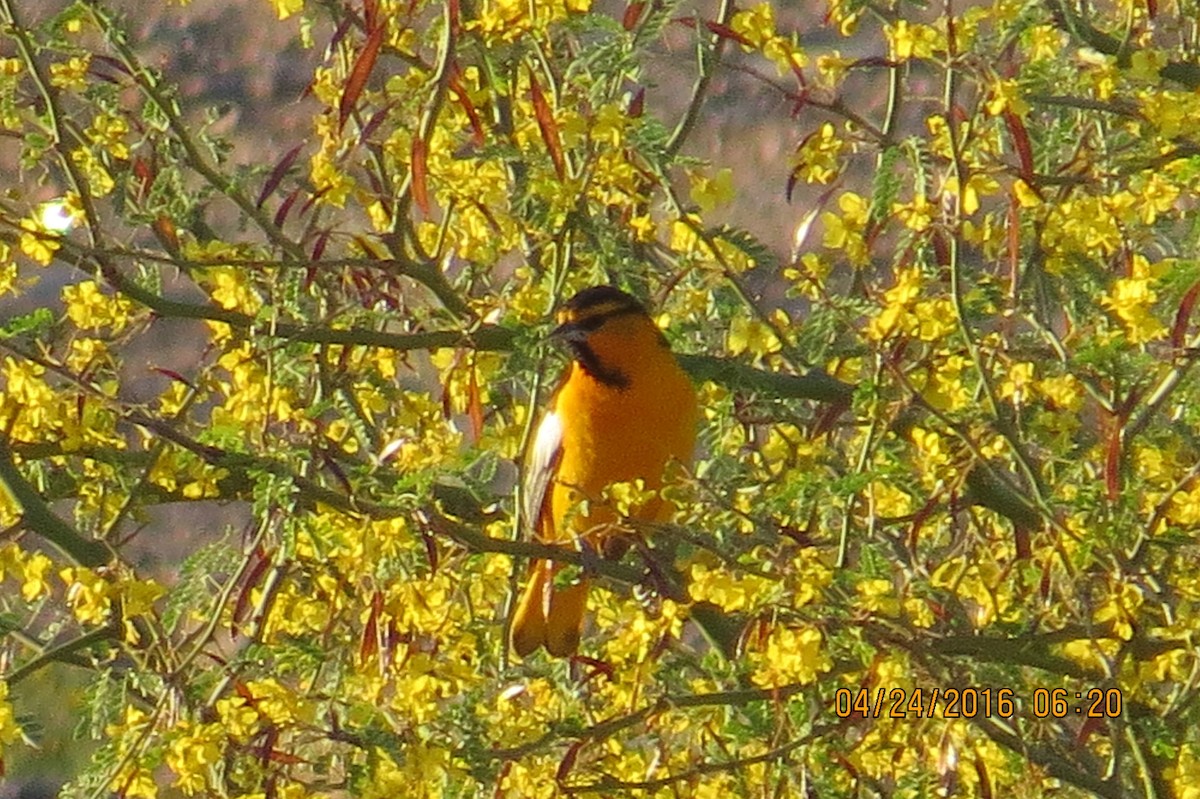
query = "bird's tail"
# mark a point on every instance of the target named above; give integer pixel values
(549, 615)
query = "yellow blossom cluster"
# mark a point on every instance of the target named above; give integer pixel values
(846, 230)
(252, 399)
(819, 158)
(757, 27)
(982, 587)
(727, 590)
(1132, 300)
(505, 21)
(908, 40)
(904, 312)
(790, 655)
(90, 308)
(30, 569)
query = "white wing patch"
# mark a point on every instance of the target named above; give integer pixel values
(540, 465)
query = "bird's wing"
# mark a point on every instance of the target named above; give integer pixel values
(541, 464)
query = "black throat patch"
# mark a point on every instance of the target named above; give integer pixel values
(591, 363)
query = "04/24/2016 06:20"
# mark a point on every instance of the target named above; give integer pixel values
(950, 703)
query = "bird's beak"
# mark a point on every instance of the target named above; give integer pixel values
(569, 332)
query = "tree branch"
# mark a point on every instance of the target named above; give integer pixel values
(38, 518)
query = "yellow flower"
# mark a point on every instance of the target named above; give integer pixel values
(980, 588)
(88, 595)
(135, 723)
(756, 25)
(138, 596)
(685, 239)
(85, 352)
(193, 753)
(1172, 113)
(919, 612)
(935, 319)
(1006, 96)
(1185, 775)
(627, 497)
(12, 557)
(100, 180)
(501, 21)
(1064, 391)
(134, 782)
(833, 67)
(238, 717)
(978, 185)
(890, 500)
(1184, 507)
(896, 314)
(1156, 194)
(90, 309)
(608, 126)
(877, 596)
(812, 577)
(1091, 652)
(34, 583)
(28, 391)
(206, 484)
(792, 655)
(1144, 64)
(710, 193)
(818, 159)
(231, 290)
(751, 335)
(1017, 383)
(277, 703)
(1120, 610)
(333, 185)
(108, 131)
(9, 276)
(1045, 42)
(845, 231)
(71, 74)
(285, 8)
(917, 215)
(907, 41)
(642, 226)
(1026, 196)
(1132, 300)
(38, 242)
(845, 19)
(728, 591)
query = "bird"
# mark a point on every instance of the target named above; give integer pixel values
(624, 410)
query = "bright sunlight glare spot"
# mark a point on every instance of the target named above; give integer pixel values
(56, 218)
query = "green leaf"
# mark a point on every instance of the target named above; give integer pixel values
(196, 579)
(885, 189)
(34, 323)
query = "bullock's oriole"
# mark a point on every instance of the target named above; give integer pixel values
(623, 411)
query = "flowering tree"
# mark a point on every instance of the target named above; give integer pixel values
(940, 531)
